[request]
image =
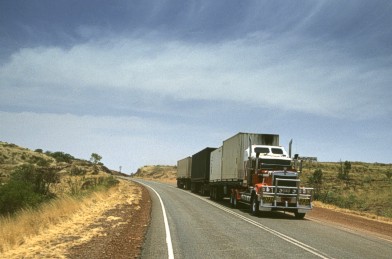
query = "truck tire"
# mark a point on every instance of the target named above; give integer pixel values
(193, 187)
(299, 215)
(233, 202)
(213, 193)
(254, 206)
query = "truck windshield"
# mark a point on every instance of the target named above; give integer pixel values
(277, 151)
(262, 150)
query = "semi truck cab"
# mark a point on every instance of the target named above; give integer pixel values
(272, 183)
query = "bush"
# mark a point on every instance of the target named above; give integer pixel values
(60, 156)
(110, 181)
(28, 187)
(40, 161)
(75, 170)
(316, 180)
(16, 195)
(39, 177)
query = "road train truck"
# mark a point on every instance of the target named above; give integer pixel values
(253, 169)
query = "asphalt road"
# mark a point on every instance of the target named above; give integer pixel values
(200, 228)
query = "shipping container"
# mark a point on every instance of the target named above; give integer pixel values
(201, 165)
(216, 165)
(184, 167)
(200, 174)
(233, 153)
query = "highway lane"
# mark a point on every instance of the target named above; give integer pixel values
(201, 228)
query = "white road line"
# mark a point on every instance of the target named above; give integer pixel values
(167, 229)
(261, 226)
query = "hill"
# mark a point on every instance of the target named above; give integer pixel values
(364, 187)
(55, 205)
(13, 156)
(162, 172)
(29, 178)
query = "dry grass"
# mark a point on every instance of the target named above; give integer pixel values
(27, 223)
(48, 232)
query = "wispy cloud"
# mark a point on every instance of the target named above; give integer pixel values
(312, 79)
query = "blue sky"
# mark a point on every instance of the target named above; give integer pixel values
(151, 82)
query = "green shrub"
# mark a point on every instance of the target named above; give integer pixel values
(60, 156)
(16, 195)
(75, 170)
(110, 181)
(39, 177)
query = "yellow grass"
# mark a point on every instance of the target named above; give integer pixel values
(61, 224)
(15, 230)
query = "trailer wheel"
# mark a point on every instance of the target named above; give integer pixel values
(255, 207)
(299, 215)
(213, 193)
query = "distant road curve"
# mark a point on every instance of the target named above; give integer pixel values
(200, 228)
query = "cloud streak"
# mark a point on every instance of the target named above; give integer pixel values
(312, 79)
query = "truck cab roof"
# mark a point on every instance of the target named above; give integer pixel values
(266, 152)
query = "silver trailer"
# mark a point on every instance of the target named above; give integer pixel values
(184, 167)
(233, 149)
(216, 165)
(228, 170)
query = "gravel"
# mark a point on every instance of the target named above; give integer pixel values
(124, 241)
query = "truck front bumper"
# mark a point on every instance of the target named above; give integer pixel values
(301, 205)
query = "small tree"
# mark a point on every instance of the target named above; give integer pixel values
(95, 158)
(344, 170)
(316, 179)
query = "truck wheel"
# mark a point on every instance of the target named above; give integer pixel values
(213, 193)
(233, 201)
(299, 215)
(255, 207)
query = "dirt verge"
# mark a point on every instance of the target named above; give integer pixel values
(124, 241)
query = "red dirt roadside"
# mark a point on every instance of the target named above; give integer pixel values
(351, 222)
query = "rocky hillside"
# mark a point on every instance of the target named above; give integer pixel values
(69, 170)
(165, 172)
(12, 156)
